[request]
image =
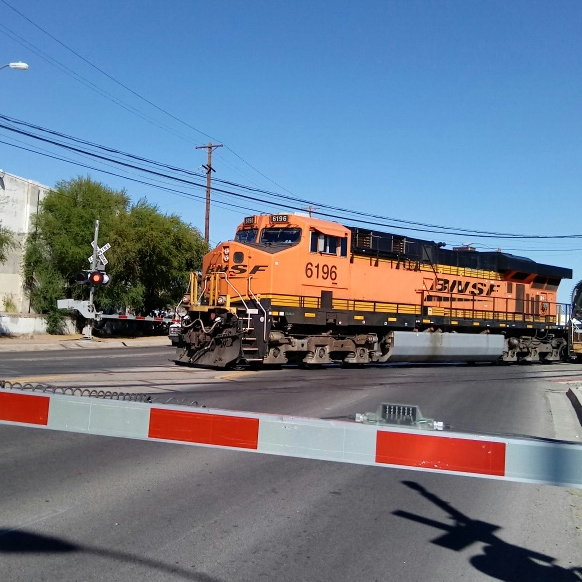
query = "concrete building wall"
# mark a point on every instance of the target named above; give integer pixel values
(19, 202)
(29, 325)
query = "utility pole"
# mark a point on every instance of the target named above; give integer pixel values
(310, 209)
(209, 169)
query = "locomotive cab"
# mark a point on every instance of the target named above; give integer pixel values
(273, 259)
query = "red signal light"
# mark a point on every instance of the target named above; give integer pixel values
(96, 278)
(99, 278)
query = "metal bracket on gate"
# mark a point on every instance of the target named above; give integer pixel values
(392, 414)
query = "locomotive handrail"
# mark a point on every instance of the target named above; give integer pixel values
(241, 298)
(203, 291)
(263, 309)
(553, 314)
(214, 291)
(235, 289)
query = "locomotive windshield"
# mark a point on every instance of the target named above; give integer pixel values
(286, 236)
(247, 235)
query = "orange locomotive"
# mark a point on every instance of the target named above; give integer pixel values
(296, 289)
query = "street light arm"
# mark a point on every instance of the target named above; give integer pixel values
(19, 66)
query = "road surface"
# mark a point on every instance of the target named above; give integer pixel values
(77, 507)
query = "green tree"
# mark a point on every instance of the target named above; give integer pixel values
(150, 258)
(7, 242)
(7, 239)
(154, 255)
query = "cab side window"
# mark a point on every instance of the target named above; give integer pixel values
(344, 246)
(327, 244)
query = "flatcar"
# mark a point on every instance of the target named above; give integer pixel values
(294, 289)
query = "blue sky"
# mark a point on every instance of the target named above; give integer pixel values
(459, 113)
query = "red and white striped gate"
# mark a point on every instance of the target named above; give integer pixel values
(512, 459)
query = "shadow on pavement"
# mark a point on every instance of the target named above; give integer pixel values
(23, 542)
(500, 560)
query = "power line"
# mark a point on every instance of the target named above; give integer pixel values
(40, 150)
(90, 85)
(135, 93)
(295, 202)
(410, 225)
(143, 182)
(227, 205)
(104, 72)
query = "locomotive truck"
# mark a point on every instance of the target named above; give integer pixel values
(292, 289)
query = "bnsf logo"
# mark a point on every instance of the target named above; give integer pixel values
(236, 269)
(459, 286)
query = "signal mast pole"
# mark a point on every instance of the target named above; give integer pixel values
(89, 326)
(209, 169)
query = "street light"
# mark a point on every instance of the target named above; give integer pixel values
(19, 66)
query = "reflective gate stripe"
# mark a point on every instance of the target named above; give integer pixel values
(207, 429)
(438, 452)
(25, 408)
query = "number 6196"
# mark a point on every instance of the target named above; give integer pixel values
(322, 271)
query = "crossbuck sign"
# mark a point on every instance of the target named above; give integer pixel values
(101, 259)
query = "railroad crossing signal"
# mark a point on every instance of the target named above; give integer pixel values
(94, 277)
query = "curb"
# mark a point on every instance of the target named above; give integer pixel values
(81, 344)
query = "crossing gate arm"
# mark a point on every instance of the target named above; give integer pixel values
(137, 318)
(511, 459)
(87, 310)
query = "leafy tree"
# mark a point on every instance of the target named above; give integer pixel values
(155, 256)
(7, 240)
(150, 258)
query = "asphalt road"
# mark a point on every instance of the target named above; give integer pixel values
(74, 361)
(78, 507)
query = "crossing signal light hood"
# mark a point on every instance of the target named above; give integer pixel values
(82, 277)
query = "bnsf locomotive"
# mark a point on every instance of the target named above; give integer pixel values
(296, 289)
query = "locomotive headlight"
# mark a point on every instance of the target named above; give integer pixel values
(225, 254)
(221, 300)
